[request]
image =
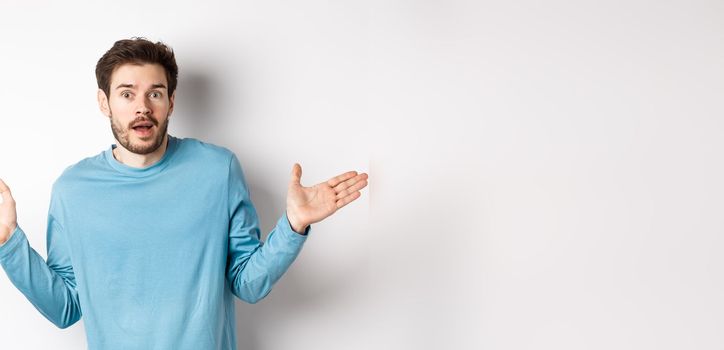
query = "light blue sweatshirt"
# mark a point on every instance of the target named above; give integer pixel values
(150, 257)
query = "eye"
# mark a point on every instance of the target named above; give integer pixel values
(126, 94)
(155, 94)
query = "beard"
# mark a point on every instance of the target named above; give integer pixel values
(122, 135)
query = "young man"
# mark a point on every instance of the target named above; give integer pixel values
(149, 240)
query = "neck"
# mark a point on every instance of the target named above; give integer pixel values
(140, 160)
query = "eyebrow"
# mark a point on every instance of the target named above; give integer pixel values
(154, 86)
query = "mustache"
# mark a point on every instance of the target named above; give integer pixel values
(139, 120)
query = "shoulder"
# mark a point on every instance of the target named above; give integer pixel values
(85, 169)
(214, 163)
(206, 148)
(204, 152)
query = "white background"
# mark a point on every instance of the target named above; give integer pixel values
(543, 174)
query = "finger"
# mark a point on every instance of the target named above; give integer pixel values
(5, 192)
(296, 174)
(339, 178)
(356, 187)
(346, 200)
(344, 185)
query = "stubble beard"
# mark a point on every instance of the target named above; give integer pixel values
(122, 135)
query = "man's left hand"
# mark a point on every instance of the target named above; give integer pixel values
(308, 205)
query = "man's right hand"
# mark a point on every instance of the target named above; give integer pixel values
(8, 215)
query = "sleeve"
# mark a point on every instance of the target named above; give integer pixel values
(254, 266)
(49, 286)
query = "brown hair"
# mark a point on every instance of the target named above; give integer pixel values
(136, 51)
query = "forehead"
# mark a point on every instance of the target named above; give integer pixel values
(138, 75)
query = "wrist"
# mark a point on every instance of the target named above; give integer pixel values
(5, 232)
(298, 228)
(296, 225)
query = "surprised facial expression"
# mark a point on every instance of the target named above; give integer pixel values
(138, 106)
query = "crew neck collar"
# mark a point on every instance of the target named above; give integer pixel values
(145, 171)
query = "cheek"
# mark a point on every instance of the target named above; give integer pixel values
(161, 107)
(120, 108)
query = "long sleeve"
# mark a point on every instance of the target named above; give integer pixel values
(50, 286)
(254, 266)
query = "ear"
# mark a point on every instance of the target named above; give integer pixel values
(170, 104)
(103, 103)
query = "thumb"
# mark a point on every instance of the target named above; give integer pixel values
(5, 192)
(296, 174)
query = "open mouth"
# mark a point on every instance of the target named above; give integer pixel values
(143, 129)
(142, 125)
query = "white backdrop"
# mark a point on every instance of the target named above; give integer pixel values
(543, 175)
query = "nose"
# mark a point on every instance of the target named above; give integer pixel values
(143, 108)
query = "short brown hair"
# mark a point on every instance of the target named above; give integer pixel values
(136, 50)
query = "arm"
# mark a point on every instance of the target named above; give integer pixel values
(253, 266)
(50, 286)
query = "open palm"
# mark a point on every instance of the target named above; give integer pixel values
(308, 205)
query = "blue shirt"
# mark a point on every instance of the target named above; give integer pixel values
(150, 257)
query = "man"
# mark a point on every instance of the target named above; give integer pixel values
(149, 240)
